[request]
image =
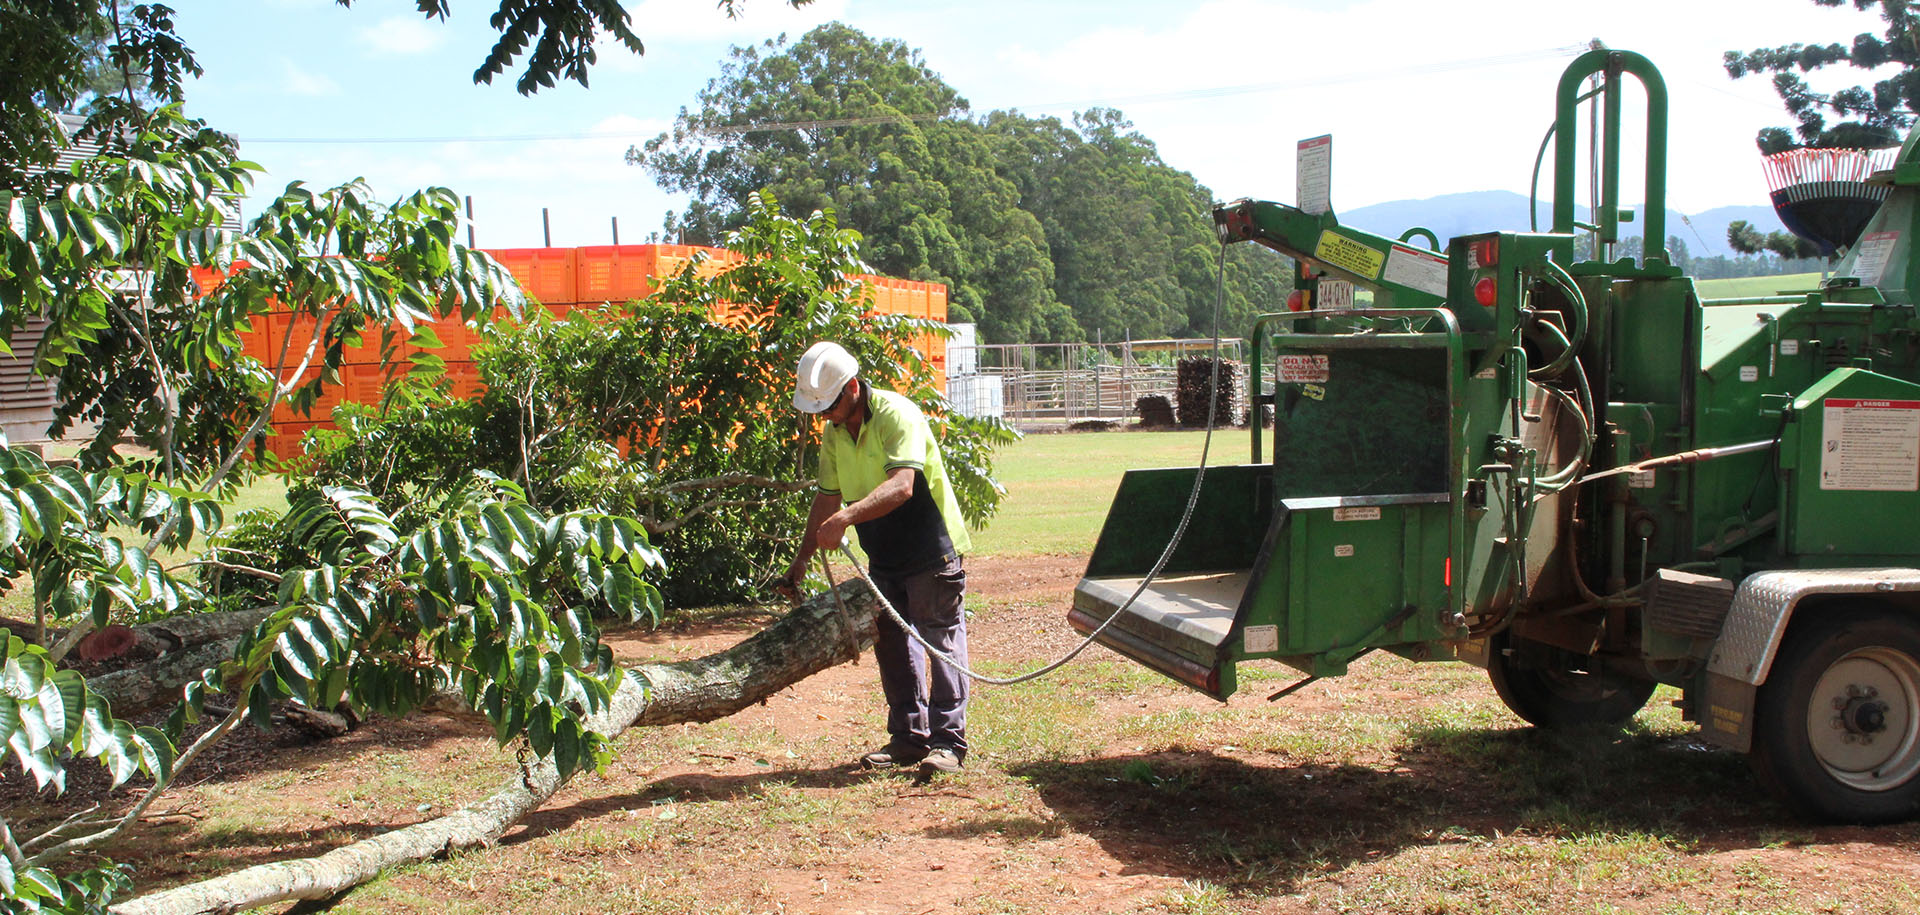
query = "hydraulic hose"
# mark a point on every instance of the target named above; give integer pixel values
(1576, 310)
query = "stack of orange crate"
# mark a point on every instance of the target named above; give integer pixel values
(918, 300)
(559, 279)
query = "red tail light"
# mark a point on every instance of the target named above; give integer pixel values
(1297, 301)
(1483, 291)
(1485, 252)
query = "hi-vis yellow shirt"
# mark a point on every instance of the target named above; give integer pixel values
(895, 434)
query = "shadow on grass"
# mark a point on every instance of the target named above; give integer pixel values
(692, 787)
(1253, 819)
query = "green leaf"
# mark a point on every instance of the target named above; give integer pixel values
(72, 690)
(9, 521)
(568, 747)
(25, 672)
(156, 752)
(41, 882)
(540, 729)
(298, 654)
(9, 716)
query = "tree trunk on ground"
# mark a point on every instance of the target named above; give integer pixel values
(815, 636)
(175, 651)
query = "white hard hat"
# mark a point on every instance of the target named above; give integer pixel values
(824, 373)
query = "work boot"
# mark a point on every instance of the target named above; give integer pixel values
(940, 761)
(892, 755)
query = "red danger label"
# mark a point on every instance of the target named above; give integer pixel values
(1874, 404)
(1870, 445)
(1303, 369)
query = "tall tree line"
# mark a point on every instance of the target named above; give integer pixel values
(1043, 230)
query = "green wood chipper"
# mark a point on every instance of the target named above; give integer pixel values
(1577, 474)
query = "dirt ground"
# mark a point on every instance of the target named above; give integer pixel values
(1401, 788)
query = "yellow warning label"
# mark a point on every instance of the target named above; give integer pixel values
(1349, 255)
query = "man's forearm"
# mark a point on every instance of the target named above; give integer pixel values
(889, 495)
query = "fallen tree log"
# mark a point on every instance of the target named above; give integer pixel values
(816, 635)
(169, 653)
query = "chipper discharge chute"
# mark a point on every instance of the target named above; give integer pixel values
(1573, 471)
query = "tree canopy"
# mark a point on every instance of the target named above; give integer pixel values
(1864, 116)
(1042, 230)
(376, 600)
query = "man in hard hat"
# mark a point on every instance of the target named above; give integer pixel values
(881, 474)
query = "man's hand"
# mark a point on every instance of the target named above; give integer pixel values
(832, 531)
(789, 586)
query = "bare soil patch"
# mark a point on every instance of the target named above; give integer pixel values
(1401, 788)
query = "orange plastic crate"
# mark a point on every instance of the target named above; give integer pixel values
(547, 274)
(278, 325)
(363, 384)
(465, 377)
(616, 273)
(457, 337)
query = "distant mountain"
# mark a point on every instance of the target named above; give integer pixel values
(1470, 213)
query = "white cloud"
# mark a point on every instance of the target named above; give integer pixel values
(312, 85)
(404, 35)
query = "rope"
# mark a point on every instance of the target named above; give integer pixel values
(1179, 532)
(846, 616)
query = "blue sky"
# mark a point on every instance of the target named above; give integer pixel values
(1423, 98)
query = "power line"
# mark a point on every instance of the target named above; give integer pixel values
(825, 124)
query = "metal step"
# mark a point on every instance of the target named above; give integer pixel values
(1176, 626)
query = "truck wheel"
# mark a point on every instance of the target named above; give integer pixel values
(1837, 724)
(1557, 697)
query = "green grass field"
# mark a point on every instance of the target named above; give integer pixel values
(1059, 485)
(1742, 287)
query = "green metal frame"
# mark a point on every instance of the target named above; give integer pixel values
(1448, 336)
(1610, 65)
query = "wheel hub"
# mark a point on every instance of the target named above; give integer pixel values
(1861, 713)
(1862, 721)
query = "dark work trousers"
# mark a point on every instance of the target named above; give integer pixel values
(926, 703)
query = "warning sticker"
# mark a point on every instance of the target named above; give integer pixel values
(1876, 250)
(1257, 639)
(1343, 551)
(1349, 254)
(1870, 445)
(1417, 269)
(1313, 175)
(1303, 369)
(1749, 373)
(1361, 513)
(1789, 347)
